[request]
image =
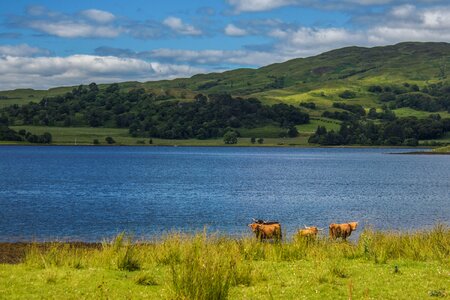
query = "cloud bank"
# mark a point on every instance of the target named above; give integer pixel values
(46, 72)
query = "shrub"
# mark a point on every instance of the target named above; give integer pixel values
(310, 105)
(110, 140)
(347, 94)
(230, 137)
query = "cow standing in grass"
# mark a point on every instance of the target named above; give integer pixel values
(309, 232)
(342, 230)
(266, 230)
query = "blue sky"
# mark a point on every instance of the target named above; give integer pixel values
(52, 43)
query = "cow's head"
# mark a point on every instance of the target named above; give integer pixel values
(353, 225)
(254, 226)
(314, 229)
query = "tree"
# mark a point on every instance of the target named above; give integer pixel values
(93, 87)
(95, 142)
(113, 88)
(260, 141)
(230, 137)
(292, 131)
(253, 140)
(372, 113)
(46, 138)
(110, 140)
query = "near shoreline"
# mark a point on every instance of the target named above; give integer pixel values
(379, 265)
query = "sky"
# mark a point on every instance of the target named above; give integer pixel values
(49, 43)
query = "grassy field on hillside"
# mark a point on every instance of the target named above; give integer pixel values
(409, 112)
(86, 136)
(380, 265)
(24, 96)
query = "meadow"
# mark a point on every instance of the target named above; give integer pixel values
(378, 265)
(86, 136)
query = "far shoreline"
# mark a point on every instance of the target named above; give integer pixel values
(6, 144)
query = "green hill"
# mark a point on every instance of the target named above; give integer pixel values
(317, 78)
(408, 79)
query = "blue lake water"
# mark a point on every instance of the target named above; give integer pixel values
(91, 193)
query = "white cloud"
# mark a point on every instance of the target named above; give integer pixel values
(306, 41)
(89, 23)
(22, 50)
(214, 57)
(437, 18)
(258, 5)
(403, 11)
(400, 23)
(241, 6)
(45, 72)
(97, 15)
(233, 30)
(74, 29)
(177, 25)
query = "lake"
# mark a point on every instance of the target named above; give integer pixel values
(92, 193)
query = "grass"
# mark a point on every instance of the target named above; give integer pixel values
(311, 127)
(380, 265)
(442, 149)
(24, 96)
(86, 136)
(409, 112)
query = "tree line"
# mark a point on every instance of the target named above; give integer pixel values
(433, 97)
(403, 131)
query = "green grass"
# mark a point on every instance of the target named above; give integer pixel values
(311, 127)
(409, 112)
(380, 265)
(442, 149)
(80, 135)
(24, 96)
(86, 135)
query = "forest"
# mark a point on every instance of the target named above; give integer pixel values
(145, 115)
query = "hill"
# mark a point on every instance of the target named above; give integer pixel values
(407, 79)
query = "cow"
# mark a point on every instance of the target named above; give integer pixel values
(309, 232)
(342, 230)
(266, 230)
(259, 221)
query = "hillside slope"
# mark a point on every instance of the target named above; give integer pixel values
(318, 79)
(332, 87)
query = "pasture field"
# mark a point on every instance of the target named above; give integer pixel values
(86, 136)
(409, 112)
(379, 265)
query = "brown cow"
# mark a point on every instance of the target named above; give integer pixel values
(266, 230)
(342, 230)
(309, 232)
